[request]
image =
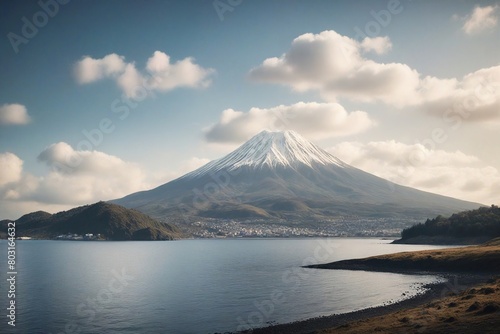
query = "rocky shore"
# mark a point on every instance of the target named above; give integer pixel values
(468, 302)
(455, 284)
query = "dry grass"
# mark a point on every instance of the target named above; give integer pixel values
(476, 310)
(489, 249)
(482, 258)
(448, 254)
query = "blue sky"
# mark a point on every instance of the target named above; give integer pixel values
(381, 108)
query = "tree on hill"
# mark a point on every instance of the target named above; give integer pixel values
(482, 222)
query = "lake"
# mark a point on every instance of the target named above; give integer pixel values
(193, 286)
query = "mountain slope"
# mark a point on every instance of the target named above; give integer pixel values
(112, 221)
(282, 175)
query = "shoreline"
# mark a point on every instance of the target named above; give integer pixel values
(454, 284)
(442, 240)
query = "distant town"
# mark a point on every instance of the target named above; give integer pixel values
(338, 227)
(71, 236)
(260, 228)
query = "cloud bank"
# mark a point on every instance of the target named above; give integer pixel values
(454, 174)
(336, 67)
(75, 177)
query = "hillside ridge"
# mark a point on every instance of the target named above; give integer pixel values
(110, 221)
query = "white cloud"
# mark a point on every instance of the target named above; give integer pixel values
(333, 66)
(160, 74)
(11, 167)
(13, 181)
(89, 69)
(75, 177)
(481, 19)
(476, 97)
(313, 120)
(86, 176)
(379, 45)
(14, 114)
(165, 76)
(311, 62)
(24, 188)
(392, 83)
(454, 174)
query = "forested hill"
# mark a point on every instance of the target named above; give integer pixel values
(110, 221)
(480, 223)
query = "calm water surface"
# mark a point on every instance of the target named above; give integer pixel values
(192, 286)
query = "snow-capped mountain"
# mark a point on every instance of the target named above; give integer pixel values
(282, 175)
(271, 149)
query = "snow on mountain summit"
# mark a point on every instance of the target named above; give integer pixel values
(274, 149)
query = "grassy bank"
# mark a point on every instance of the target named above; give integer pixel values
(484, 258)
(468, 303)
(475, 310)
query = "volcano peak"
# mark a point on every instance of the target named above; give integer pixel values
(272, 149)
